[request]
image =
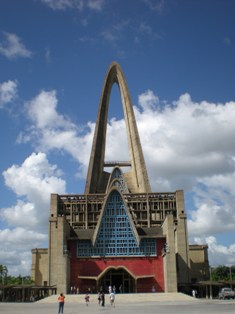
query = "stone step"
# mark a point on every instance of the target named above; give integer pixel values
(123, 297)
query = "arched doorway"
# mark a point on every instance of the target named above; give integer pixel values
(120, 278)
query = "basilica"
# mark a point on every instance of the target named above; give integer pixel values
(118, 233)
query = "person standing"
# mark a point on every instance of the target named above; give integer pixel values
(99, 298)
(61, 303)
(87, 299)
(102, 298)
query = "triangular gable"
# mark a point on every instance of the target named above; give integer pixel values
(115, 232)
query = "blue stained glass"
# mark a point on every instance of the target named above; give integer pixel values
(116, 236)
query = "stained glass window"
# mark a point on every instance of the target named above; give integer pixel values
(116, 236)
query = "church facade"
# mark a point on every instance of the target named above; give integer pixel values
(118, 232)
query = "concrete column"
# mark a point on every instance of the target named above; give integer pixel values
(59, 260)
(181, 240)
(169, 257)
(63, 260)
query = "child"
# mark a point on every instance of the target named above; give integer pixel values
(87, 299)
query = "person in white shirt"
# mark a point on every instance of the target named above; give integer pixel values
(112, 299)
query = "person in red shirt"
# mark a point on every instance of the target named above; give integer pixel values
(61, 303)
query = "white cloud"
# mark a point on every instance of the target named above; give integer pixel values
(110, 35)
(115, 32)
(218, 254)
(148, 100)
(190, 145)
(21, 238)
(145, 29)
(42, 111)
(8, 92)
(95, 5)
(156, 6)
(51, 130)
(187, 140)
(214, 200)
(15, 215)
(64, 4)
(116, 133)
(16, 245)
(13, 48)
(33, 181)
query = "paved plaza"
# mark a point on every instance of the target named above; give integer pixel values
(196, 306)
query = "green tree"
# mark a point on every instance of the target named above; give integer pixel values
(232, 272)
(19, 280)
(223, 272)
(13, 280)
(3, 273)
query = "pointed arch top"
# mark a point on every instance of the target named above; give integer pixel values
(97, 179)
(117, 176)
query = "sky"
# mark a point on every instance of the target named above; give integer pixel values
(178, 58)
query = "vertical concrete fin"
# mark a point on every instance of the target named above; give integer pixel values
(137, 178)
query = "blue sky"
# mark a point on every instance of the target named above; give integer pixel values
(178, 58)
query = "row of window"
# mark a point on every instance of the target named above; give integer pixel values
(146, 248)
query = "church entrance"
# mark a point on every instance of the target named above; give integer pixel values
(120, 279)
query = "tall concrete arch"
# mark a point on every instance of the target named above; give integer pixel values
(137, 178)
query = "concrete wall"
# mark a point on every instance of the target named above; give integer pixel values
(39, 271)
(181, 242)
(58, 258)
(199, 262)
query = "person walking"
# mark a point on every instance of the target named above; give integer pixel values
(112, 299)
(61, 303)
(87, 299)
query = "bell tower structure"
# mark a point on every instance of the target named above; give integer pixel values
(137, 178)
